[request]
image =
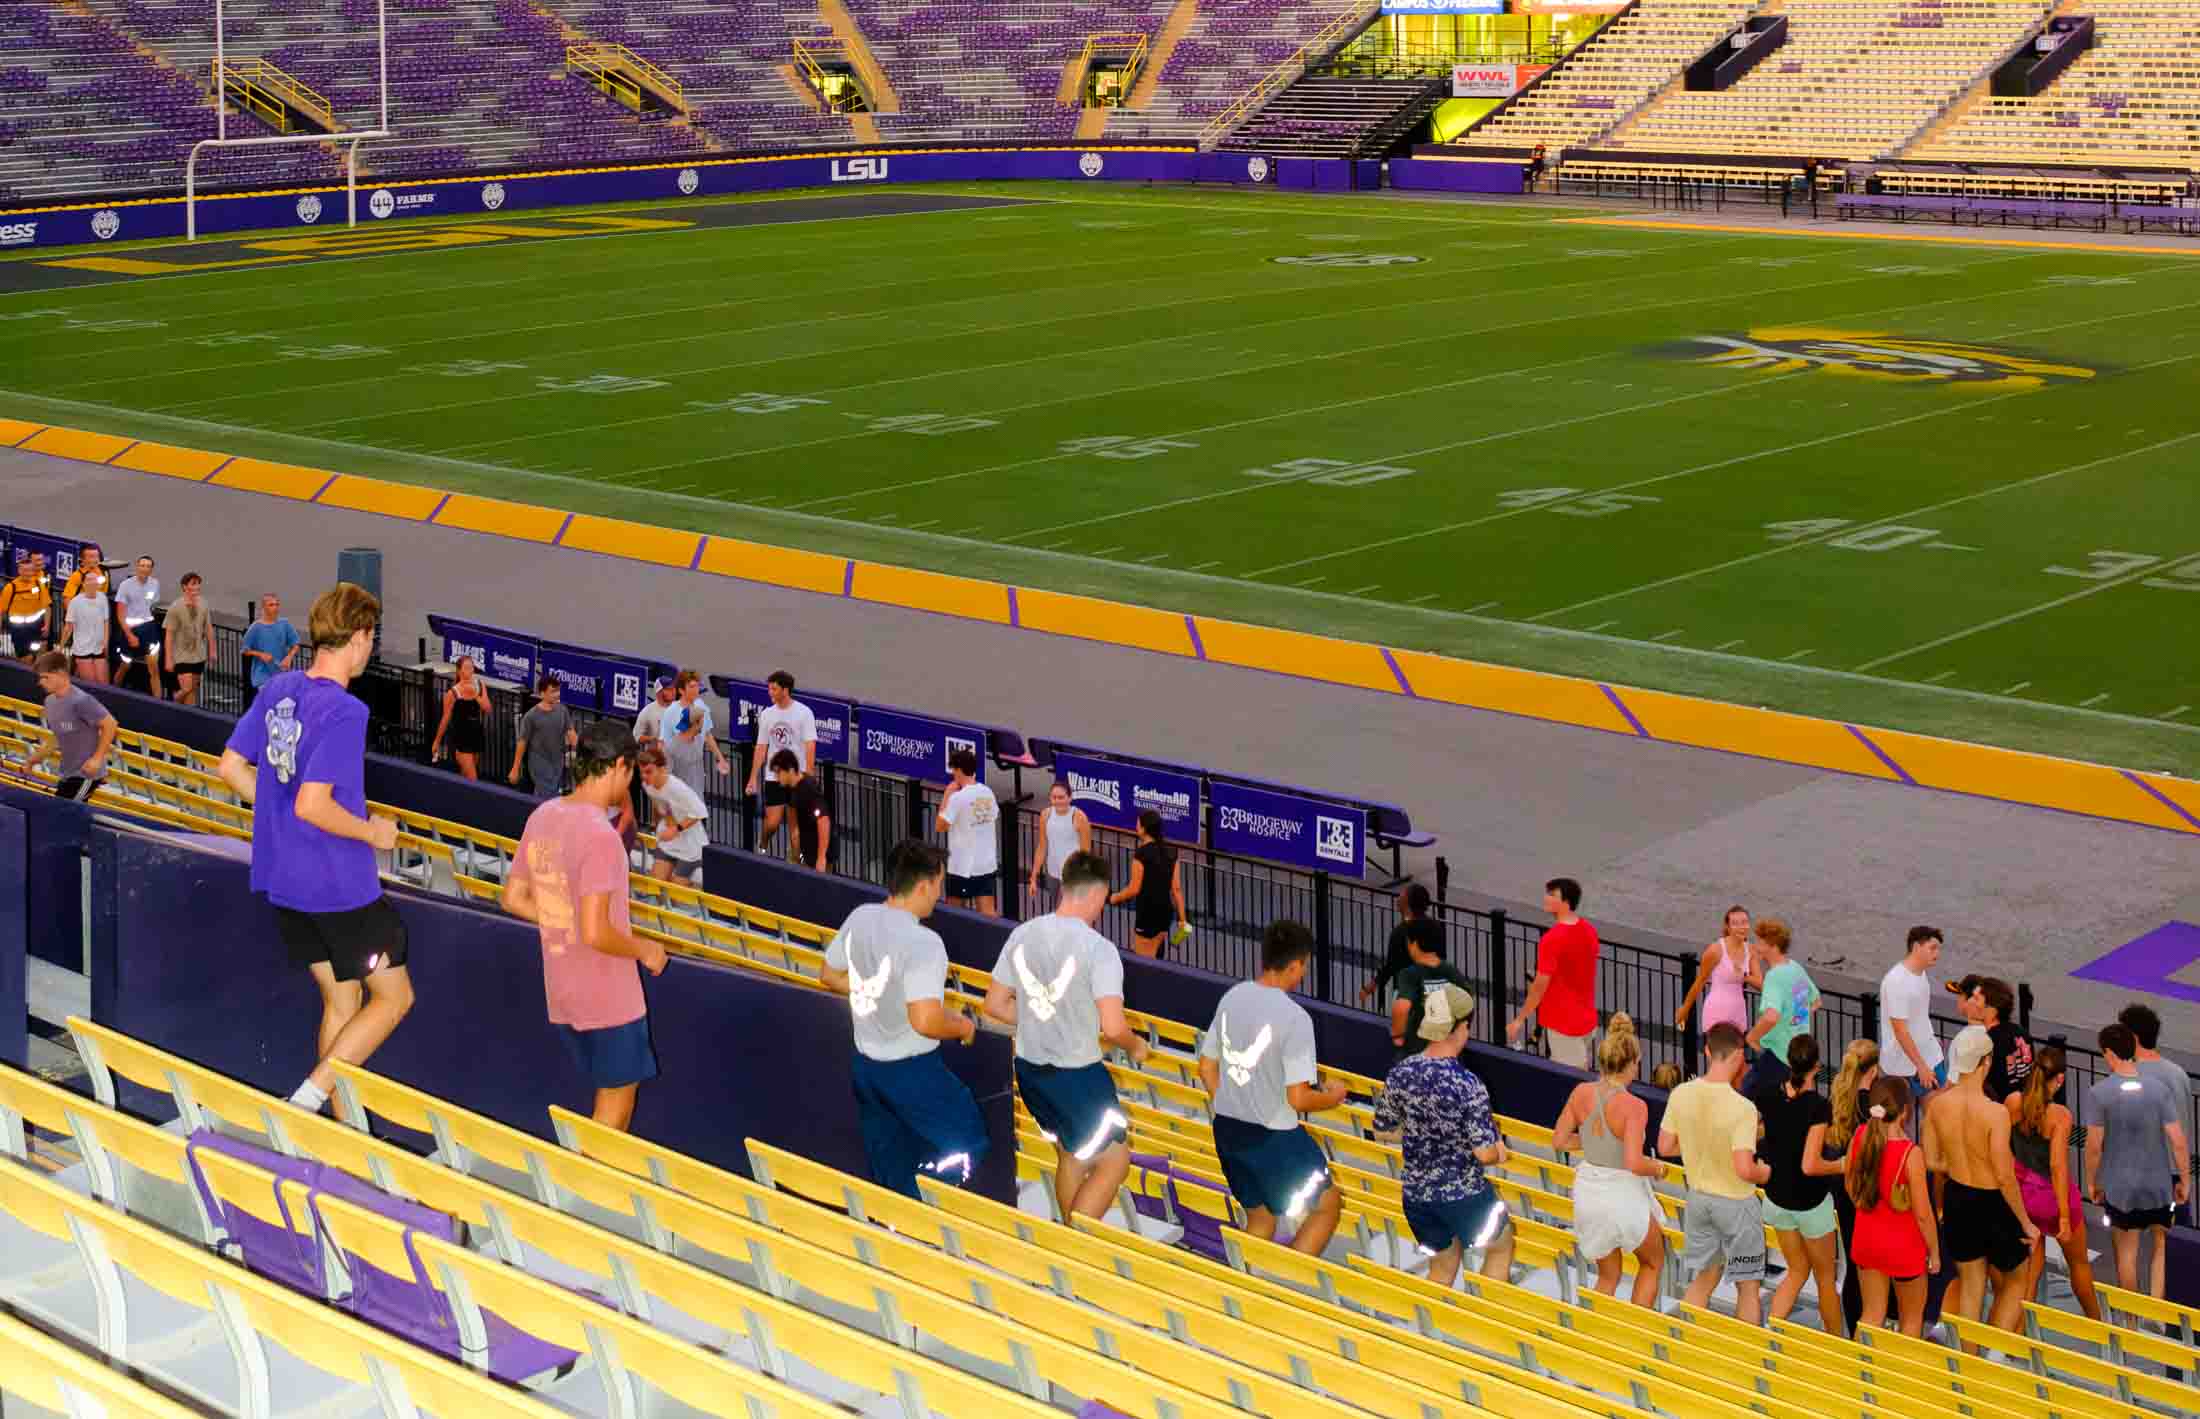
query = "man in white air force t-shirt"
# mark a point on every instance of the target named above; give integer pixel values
(785, 723)
(971, 817)
(1059, 983)
(1257, 1061)
(917, 1117)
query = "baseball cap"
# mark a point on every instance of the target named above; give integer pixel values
(1444, 1011)
(1972, 1046)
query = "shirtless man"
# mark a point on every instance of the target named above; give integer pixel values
(1975, 1185)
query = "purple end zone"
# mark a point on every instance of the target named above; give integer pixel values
(2151, 962)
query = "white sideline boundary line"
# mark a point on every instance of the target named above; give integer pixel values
(721, 506)
(2079, 595)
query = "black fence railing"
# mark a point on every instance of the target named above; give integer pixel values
(1230, 900)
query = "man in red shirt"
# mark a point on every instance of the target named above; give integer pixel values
(1565, 988)
(569, 878)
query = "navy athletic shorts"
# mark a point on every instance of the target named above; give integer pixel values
(1281, 1170)
(917, 1117)
(1077, 1107)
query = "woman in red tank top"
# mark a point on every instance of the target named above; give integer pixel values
(1896, 1246)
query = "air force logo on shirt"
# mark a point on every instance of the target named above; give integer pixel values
(1042, 997)
(283, 732)
(863, 994)
(1243, 1062)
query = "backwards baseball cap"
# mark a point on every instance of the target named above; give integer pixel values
(1444, 1010)
(1972, 1047)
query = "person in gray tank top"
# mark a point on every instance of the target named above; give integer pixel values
(1063, 829)
(1614, 1209)
(1059, 986)
(1257, 1061)
(917, 1117)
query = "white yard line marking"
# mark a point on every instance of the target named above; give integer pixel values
(1363, 590)
(1479, 606)
(2090, 703)
(928, 522)
(1798, 655)
(2021, 684)
(1430, 596)
(2172, 714)
(1311, 581)
(2093, 590)
(1943, 675)
(1602, 624)
(1666, 635)
(1728, 645)
(1200, 568)
(1156, 557)
(1103, 551)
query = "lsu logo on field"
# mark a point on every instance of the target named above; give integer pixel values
(105, 223)
(309, 209)
(1091, 164)
(1872, 355)
(690, 179)
(18, 233)
(859, 169)
(1349, 258)
(492, 196)
(382, 203)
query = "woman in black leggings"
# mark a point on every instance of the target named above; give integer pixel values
(1859, 1071)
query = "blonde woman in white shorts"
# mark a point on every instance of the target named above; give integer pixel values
(1614, 1208)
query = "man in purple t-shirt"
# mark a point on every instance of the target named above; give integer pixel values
(298, 756)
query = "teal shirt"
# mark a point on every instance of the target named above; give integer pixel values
(1788, 989)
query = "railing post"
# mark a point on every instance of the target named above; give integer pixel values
(918, 827)
(1871, 1015)
(1323, 952)
(1011, 858)
(1691, 1035)
(2024, 1006)
(1500, 978)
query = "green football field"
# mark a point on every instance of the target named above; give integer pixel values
(1943, 486)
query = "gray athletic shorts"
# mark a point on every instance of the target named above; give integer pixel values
(1724, 1231)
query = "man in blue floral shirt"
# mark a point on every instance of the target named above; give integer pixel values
(1442, 1114)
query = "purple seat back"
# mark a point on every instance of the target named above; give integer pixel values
(288, 1254)
(1202, 1233)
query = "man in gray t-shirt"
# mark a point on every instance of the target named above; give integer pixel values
(1257, 1061)
(2136, 1163)
(2146, 1027)
(83, 731)
(1059, 985)
(545, 733)
(916, 1116)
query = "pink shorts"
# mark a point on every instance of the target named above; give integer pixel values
(2038, 1192)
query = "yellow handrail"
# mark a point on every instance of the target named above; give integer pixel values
(1136, 42)
(251, 75)
(810, 58)
(623, 73)
(1343, 26)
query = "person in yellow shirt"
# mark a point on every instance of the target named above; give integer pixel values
(1713, 1129)
(27, 603)
(91, 570)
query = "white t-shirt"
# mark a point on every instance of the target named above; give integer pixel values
(891, 959)
(973, 840)
(1907, 996)
(137, 598)
(677, 800)
(791, 728)
(646, 724)
(88, 624)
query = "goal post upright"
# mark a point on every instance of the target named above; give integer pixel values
(351, 140)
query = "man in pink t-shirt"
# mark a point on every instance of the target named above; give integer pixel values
(569, 878)
(1565, 989)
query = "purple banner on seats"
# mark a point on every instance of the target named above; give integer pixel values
(490, 198)
(1283, 827)
(596, 682)
(1235, 167)
(914, 746)
(1455, 175)
(495, 654)
(1114, 794)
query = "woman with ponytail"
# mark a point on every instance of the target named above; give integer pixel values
(1851, 1102)
(1897, 1237)
(1799, 1198)
(1614, 1210)
(2039, 1138)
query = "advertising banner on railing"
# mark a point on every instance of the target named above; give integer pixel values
(749, 697)
(1443, 7)
(606, 684)
(1492, 81)
(914, 746)
(310, 214)
(1283, 827)
(499, 655)
(1114, 794)
(60, 551)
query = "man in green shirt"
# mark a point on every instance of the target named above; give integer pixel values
(1784, 1005)
(1423, 979)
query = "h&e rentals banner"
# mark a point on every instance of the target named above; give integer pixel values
(1283, 827)
(914, 746)
(750, 698)
(607, 684)
(1114, 794)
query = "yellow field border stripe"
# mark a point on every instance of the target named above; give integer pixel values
(1640, 224)
(1915, 760)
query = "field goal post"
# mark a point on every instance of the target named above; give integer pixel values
(350, 140)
